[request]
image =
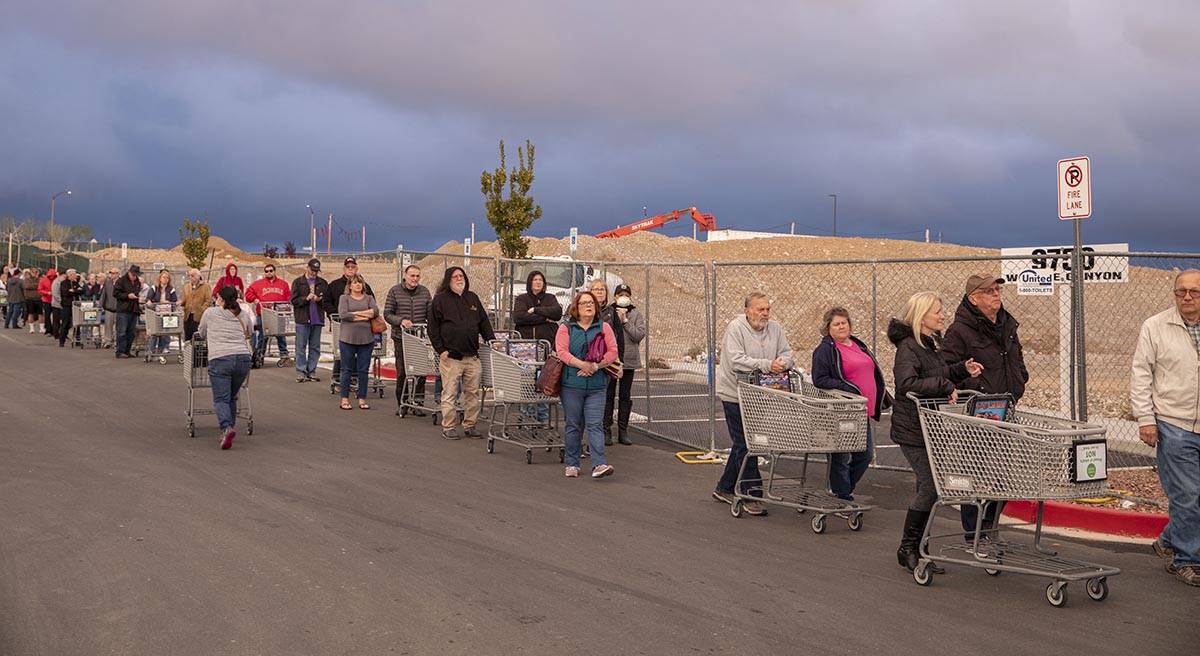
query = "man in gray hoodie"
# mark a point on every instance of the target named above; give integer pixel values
(753, 342)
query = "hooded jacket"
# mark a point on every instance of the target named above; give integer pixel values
(633, 331)
(16, 289)
(29, 286)
(121, 291)
(45, 284)
(230, 279)
(922, 371)
(268, 291)
(744, 350)
(827, 372)
(69, 291)
(993, 345)
(404, 303)
(542, 323)
(456, 322)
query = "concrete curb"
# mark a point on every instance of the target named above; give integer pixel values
(1103, 521)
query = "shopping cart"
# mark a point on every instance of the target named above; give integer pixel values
(514, 366)
(195, 372)
(788, 419)
(278, 320)
(85, 317)
(485, 363)
(376, 383)
(164, 320)
(420, 363)
(1026, 456)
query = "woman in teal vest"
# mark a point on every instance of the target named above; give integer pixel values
(586, 346)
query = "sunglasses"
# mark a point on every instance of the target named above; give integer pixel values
(1183, 293)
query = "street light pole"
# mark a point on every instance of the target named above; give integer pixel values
(53, 252)
(834, 197)
(312, 232)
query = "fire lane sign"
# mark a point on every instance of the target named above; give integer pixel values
(1074, 188)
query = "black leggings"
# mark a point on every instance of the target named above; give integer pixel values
(622, 390)
(926, 495)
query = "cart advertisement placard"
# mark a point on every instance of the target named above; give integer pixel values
(1090, 461)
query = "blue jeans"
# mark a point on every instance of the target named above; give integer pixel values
(356, 359)
(15, 310)
(160, 343)
(737, 453)
(583, 410)
(260, 344)
(308, 348)
(1179, 472)
(846, 469)
(126, 330)
(227, 376)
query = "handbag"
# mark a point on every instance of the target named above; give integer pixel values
(597, 348)
(549, 380)
(378, 326)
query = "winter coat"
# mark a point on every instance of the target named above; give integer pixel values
(300, 300)
(29, 287)
(156, 295)
(456, 322)
(121, 291)
(744, 350)
(16, 289)
(827, 372)
(404, 303)
(265, 290)
(229, 279)
(45, 284)
(334, 295)
(571, 345)
(107, 300)
(634, 331)
(922, 371)
(542, 323)
(195, 301)
(993, 345)
(69, 291)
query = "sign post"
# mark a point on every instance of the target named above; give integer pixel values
(1075, 204)
(467, 246)
(574, 241)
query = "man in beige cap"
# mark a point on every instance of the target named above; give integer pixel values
(985, 331)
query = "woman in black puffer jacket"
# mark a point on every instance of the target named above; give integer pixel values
(919, 369)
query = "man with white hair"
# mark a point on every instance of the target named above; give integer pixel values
(70, 289)
(1164, 396)
(108, 303)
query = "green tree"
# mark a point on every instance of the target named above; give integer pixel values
(512, 216)
(193, 238)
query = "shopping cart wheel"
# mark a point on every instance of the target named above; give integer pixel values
(529, 457)
(991, 572)
(491, 445)
(921, 573)
(855, 522)
(180, 359)
(192, 433)
(250, 427)
(818, 524)
(1097, 589)
(333, 388)
(381, 392)
(562, 455)
(1056, 594)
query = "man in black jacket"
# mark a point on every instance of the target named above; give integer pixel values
(69, 291)
(985, 331)
(126, 292)
(407, 304)
(334, 296)
(308, 295)
(457, 319)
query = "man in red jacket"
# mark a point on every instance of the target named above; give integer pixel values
(268, 289)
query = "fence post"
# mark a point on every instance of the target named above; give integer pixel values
(874, 308)
(1081, 350)
(649, 323)
(711, 320)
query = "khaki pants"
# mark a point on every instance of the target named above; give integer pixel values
(469, 370)
(110, 327)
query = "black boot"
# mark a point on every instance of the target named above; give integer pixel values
(623, 436)
(909, 552)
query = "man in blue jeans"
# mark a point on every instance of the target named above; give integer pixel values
(753, 342)
(308, 291)
(1164, 394)
(126, 294)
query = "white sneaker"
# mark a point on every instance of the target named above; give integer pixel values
(31, 329)
(43, 327)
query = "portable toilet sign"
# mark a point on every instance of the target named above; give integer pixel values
(1074, 188)
(574, 240)
(124, 250)
(467, 246)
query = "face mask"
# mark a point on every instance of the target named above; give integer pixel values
(624, 301)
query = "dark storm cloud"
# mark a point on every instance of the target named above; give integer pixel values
(916, 114)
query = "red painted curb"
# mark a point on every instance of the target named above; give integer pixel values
(1098, 520)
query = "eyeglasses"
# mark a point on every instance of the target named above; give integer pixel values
(586, 304)
(1183, 293)
(990, 291)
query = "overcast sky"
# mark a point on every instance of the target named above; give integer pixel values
(947, 115)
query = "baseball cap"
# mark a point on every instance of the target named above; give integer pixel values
(348, 261)
(135, 269)
(622, 289)
(314, 264)
(979, 280)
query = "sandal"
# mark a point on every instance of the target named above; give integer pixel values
(345, 404)
(363, 405)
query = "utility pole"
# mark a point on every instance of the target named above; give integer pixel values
(364, 239)
(834, 197)
(53, 251)
(312, 232)
(329, 236)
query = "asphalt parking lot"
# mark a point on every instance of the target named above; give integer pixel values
(357, 532)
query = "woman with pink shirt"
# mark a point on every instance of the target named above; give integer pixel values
(586, 346)
(842, 362)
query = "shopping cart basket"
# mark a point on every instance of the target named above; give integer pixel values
(164, 320)
(782, 425)
(514, 366)
(278, 320)
(420, 363)
(85, 317)
(376, 382)
(1027, 456)
(195, 372)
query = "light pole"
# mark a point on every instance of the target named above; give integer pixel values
(53, 252)
(312, 232)
(834, 197)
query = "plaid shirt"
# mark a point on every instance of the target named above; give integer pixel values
(1194, 330)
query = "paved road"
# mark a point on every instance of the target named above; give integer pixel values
(331, 532)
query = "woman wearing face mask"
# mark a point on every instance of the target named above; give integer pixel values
(630, 323)
(919, 369)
